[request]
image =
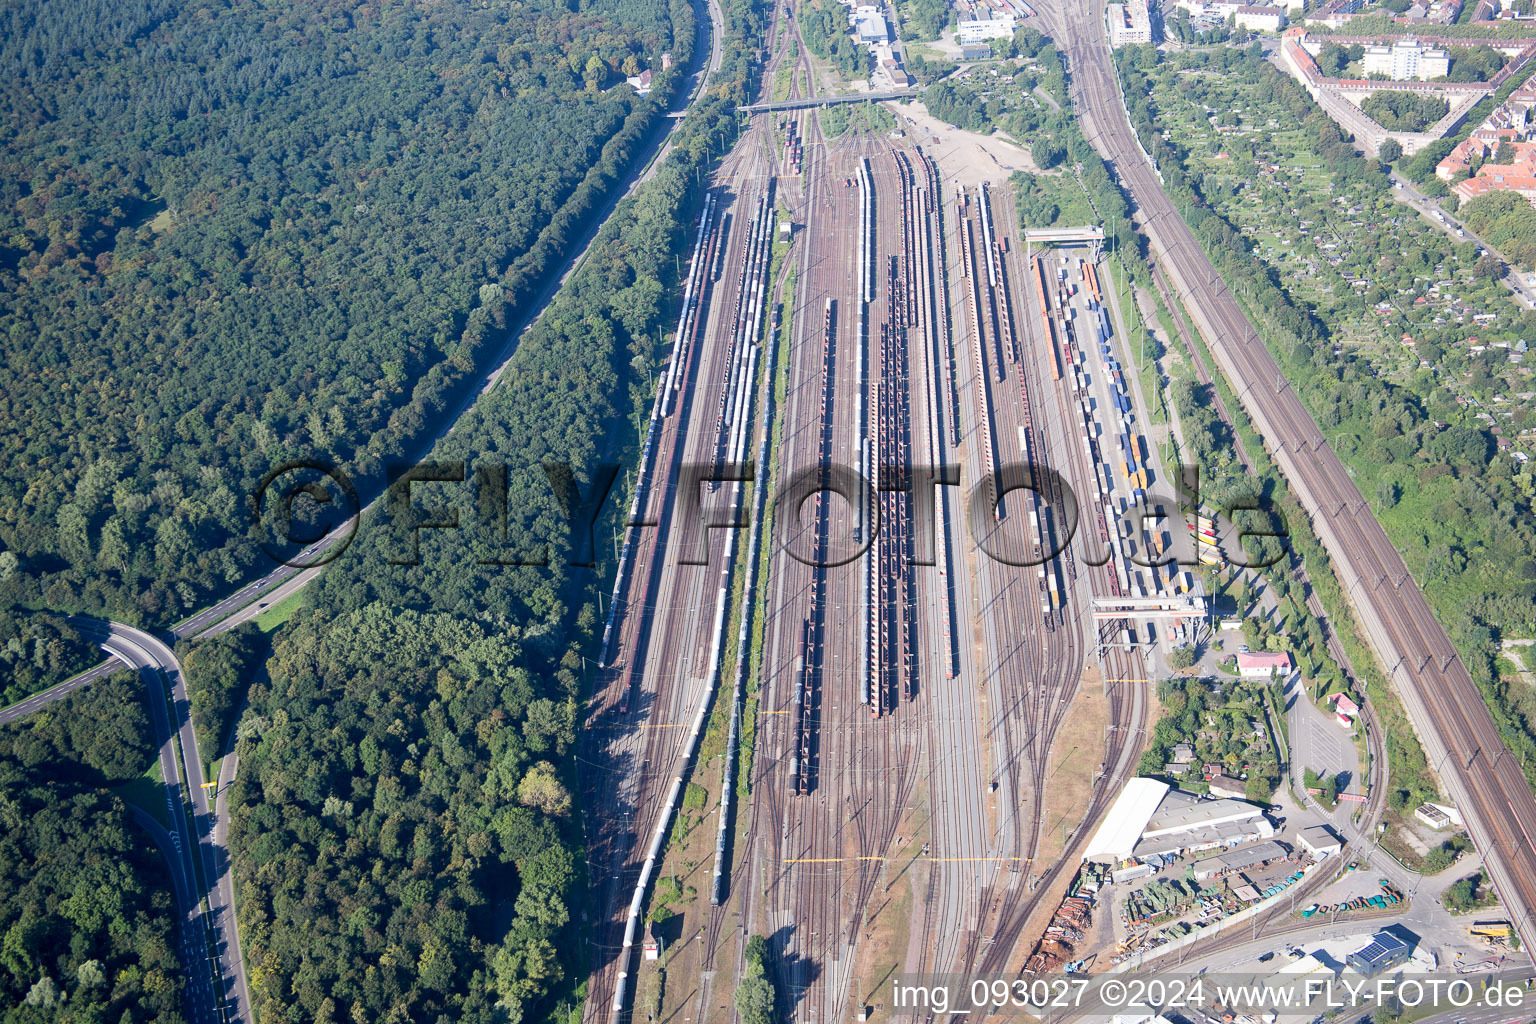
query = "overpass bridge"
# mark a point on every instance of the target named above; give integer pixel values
(827, 101)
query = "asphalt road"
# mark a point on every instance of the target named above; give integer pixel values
(1519, 284)
(203, 871)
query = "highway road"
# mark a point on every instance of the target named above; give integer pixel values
(201, 871)
(1444, 704)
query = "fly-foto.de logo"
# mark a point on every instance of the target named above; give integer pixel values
(307, 512)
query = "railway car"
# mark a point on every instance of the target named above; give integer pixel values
(800, 725)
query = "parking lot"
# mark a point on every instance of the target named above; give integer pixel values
(1318, 742)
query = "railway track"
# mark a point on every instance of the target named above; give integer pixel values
(660, 644)
(1442, 700)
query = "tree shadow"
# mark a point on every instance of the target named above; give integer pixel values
(795, 973)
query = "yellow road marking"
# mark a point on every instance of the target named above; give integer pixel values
(949, 860)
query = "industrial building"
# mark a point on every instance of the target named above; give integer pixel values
(871, 28)
(1406, 60)
(1384, 952)
(1319, 841)
(1239, 859)
(996, 25)
(1150, 819)
(1439, 816)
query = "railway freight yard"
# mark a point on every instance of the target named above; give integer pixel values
(960, 607)
(902, 569)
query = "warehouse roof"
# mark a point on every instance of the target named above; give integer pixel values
(1319, 837)
(1384, 946)
(1243, 857)
(1122, 826)
(1181, 812)
(1227, 833)
(872, 26)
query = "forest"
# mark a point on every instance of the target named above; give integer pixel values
(1461, 515)
(38, 650)
(86, 908)
(249, 232)
(924, 20)
(397, 807)
(217, 671)
(406, 827)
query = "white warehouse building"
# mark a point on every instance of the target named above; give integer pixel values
(979, 30)
(1149, 818)
(871, 29)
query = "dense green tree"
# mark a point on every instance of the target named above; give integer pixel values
(86, 909)
(1047, 152)
(924, 20)
(754, 990)
(404, 840)
(38, 650)
(1508, 222)
(217, 671)
(1404, 111)
(824, 27)
(1474, 63)
(252, 233)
